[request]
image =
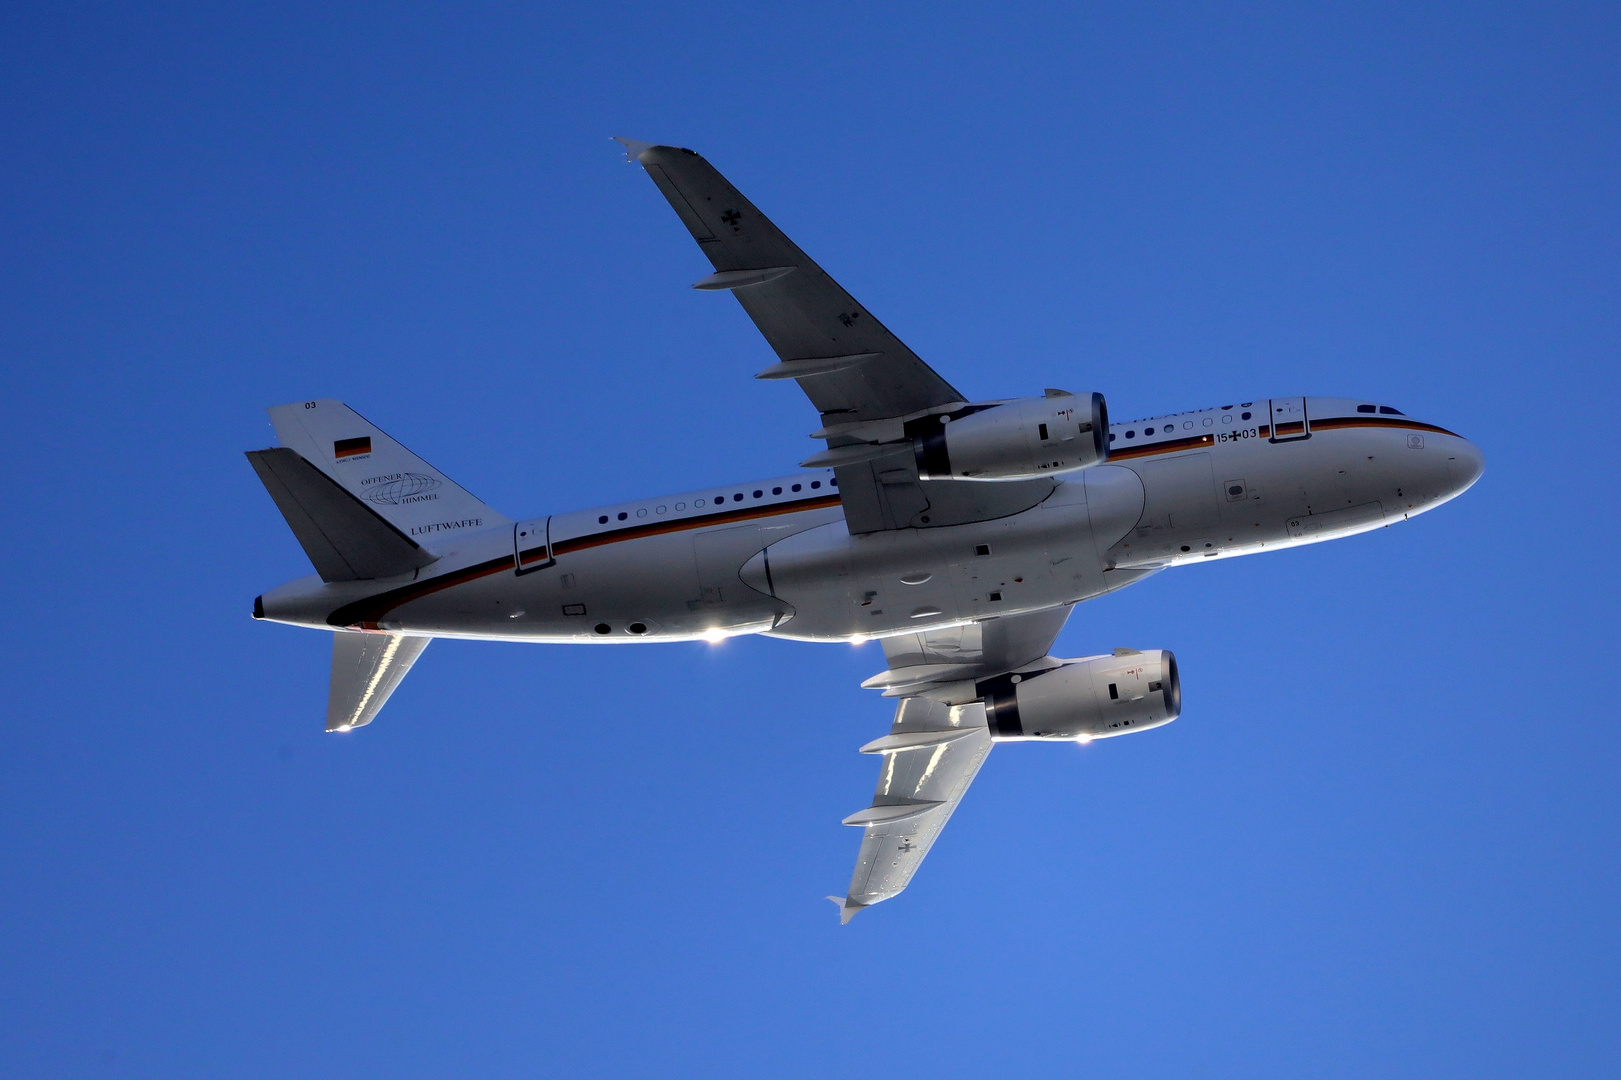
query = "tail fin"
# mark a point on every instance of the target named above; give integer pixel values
(345, 538)
(365, 670)
(406, 491)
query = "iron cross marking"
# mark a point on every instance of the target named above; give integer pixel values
(907, 845)
(731, 217)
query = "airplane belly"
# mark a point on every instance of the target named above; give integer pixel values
(637, 589)
(841, 586)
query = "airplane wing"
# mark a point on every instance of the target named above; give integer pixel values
(862, 378)
(847, 362)
(933, 750)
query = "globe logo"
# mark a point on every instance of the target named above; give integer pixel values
(407, 487)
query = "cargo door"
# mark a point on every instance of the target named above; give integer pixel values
(1289, 419)
(531, 545)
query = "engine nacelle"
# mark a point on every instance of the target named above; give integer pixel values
(1091, 698)
(1013, 440)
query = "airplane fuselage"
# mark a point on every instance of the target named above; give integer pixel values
(775, 557)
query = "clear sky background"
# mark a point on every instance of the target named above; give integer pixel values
(1382, 839)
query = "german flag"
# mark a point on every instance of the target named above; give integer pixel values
(348, 448)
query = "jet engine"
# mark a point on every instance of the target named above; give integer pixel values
(1013, 440)
(1091, 698)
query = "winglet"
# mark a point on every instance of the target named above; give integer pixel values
(634, 148)
(847, 908)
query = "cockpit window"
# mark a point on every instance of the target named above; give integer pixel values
(1388, 411)
(1364, 408)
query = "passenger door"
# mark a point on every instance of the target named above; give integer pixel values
(1289, 419)
(531, 547)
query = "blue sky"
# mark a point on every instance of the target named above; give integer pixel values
(1382, 839)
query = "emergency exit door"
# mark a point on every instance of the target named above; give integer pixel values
(530, 548)
(1289, 419)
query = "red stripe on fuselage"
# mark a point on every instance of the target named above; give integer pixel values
(368, 612)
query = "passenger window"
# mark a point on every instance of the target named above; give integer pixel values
(603, 520)
(1131, 434)
(1148, 431)
(757, 494)
(1111, 436)
(1246, 416)
(816, 483)
(776, 491)
(796, 487)
(622, 515)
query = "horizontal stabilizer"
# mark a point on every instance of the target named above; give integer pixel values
(365, 670)
(345, 539)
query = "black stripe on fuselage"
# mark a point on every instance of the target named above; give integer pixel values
(367, 612)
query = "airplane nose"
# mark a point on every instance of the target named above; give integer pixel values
(1466, 464)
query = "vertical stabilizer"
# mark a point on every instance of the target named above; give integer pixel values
(413, 496)
(365, 670)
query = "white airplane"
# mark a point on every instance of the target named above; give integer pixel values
(958, 534)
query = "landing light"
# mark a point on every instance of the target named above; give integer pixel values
(1082, 740)
(714, 636)
(344, 727)
(858, 639)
